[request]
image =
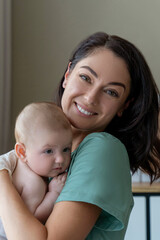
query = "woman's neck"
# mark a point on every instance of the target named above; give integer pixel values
(78, 137)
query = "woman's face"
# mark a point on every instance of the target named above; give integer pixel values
(95, 91)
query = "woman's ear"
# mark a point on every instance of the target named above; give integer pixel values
(20, 151)
(66, 76)
(120, 112)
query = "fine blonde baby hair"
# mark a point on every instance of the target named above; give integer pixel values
(46, 114)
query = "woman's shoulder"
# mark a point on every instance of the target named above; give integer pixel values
(101, 140)
(101, 145)
(102, 137)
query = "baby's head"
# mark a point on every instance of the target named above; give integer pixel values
(43, 138)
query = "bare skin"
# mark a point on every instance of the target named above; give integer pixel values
(38, 197)
(90, 101)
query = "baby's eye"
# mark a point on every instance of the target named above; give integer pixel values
(85, 78)
(67, 149)
(112, 93)
(48, 151)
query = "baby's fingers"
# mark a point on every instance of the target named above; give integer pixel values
(62, 177)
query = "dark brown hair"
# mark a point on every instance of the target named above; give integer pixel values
(138, 126)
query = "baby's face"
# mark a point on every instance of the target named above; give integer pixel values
(49, 152)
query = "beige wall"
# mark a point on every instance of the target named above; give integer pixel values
(46, 32)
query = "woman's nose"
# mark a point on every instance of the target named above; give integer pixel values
(91, 97)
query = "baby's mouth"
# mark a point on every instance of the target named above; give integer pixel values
(57, 169)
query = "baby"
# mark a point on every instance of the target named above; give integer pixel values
(43, 148)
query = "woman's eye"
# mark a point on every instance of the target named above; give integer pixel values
(112, 93)
(48, 151)
(67, 149)
(85, 78)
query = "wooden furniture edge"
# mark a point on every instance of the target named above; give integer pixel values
(146, 187)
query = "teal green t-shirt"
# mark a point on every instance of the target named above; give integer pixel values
(99, 174)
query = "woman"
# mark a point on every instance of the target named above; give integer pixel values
(109, 96)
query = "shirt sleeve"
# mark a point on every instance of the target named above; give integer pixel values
(8, 161)
(100, 175)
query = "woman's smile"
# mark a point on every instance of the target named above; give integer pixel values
(84, 110)
(96, 90)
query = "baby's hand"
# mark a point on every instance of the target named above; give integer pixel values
(57, 183)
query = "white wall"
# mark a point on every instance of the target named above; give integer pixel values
(46, 32)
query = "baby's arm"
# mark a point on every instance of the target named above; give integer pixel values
(46, 206)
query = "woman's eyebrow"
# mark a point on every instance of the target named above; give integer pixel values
(91, 70)
(95, 74)
(118, 84)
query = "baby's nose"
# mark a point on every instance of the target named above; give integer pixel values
(59, 158)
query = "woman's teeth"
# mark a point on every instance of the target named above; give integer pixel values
(84, 111)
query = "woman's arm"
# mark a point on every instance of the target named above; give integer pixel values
(71, 220)
(68, 220)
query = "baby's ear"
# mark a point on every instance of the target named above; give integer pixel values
(20, 151)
